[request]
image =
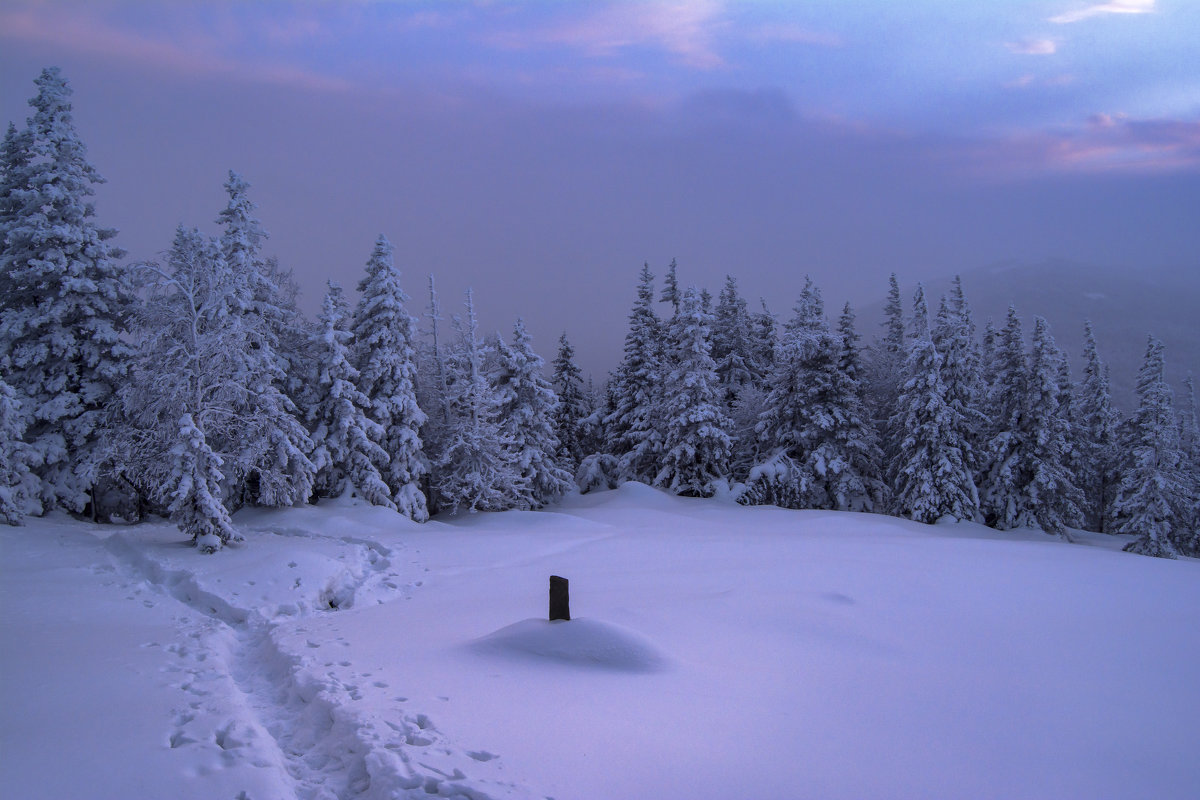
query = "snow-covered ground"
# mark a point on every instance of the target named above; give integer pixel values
(716, 652)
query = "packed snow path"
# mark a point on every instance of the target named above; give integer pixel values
(717, 651)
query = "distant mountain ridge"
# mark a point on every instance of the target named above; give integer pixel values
(1123, 306)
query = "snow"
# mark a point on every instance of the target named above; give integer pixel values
(716, 651)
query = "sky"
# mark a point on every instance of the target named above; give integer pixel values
(541, 152)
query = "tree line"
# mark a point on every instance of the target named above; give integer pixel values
(194, 386)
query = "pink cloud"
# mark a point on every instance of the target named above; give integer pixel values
(1103, 143)
(1101, 9)
(1033, 47)
(686, 30)
(193, 54)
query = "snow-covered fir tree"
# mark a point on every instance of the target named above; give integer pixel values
(819, 448)
(64, 301)
(670, 293)
(1049, 488)
(573, 407)
(953, 336)
(195, 483)
(385, 356)
(1005, 463)
(475, 469)
(850, 360)
(273, 468)
(733, 349)
(527, 405)
(931, 478)
(884, 364)
(19, 486)
(1150, 493)
(432, 393)
(1189, 448)
(696, 446)
(1095, 438)
(633, 425)
(345, 439)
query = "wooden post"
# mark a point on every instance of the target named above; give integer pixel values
(560, 601)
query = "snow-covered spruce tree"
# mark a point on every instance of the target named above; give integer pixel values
(527, 404)
(953, 337)
(272, 468)
(733, 349)
(633, 425)
(19, 486)
(696, 446)
(1050, 489)
(931, 479)
(385, 356)
(1095, 438)
(819, 448)
(1150, 494)
(670, 293)
(475, 470)
(850, 360)
(1189, 447)
(883, 364)
(1005, 464)
(195, 486)
(64, 301)
(572, 408)
(345, 438)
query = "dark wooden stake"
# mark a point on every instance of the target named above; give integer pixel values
(560, 601)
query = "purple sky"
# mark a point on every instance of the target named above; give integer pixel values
(540, 152)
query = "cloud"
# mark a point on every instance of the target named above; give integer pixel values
(686, 30)
(1030, 80)
(195, 53)
(1102, 143)
(1033, 47)
(1099, 9)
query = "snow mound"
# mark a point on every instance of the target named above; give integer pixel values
(579, 642)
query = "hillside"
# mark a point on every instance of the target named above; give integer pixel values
(715, 651)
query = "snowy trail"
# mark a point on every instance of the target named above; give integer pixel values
(253, 701)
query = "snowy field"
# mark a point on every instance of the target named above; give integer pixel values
(716, 652)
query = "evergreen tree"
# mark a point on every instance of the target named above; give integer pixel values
(196, 490)
(345, 438)
(850, 360)
(1095, 438)
(1006, 463)
(733, 345)
(633, 425)
(572, 409)
(433, 395)
(385, 356)
(1050, 489)
(474, 471)
(273, 468)
(18, 484)
(64, 302)
(1149, 495)
(819, 448)
(697, 445)
(884, 366)
(1189, 445)
(953, 338)
(670, 292)
(527, 407)
(931, 478)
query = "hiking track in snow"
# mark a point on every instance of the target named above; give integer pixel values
(251, 701)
